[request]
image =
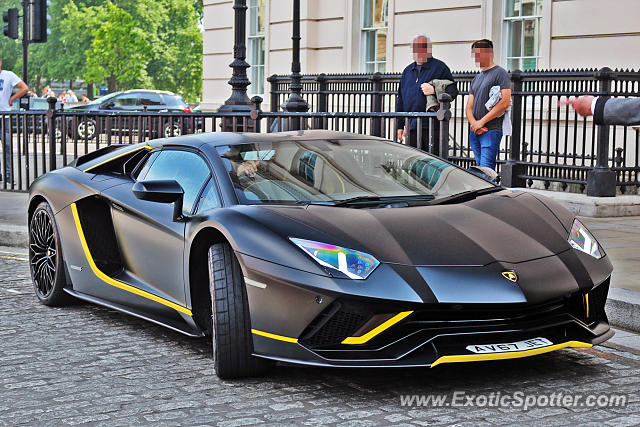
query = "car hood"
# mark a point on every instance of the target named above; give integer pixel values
(508, 226)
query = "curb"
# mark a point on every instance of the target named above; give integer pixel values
(14, 235)
(594, 207)
(623, 309)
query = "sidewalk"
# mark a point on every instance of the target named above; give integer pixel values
(13, 219)
(619, 236)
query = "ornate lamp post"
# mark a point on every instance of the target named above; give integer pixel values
(296, 103)
(238, 101)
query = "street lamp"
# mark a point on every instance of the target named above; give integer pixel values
(238, 101)
(296, 103)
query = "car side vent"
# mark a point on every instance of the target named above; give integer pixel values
(97, 226)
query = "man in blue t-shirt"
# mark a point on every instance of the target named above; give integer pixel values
(415, 87)
(486, 124)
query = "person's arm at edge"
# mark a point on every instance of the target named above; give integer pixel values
(617, 111)
(23, 89)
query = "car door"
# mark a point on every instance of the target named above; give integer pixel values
(151, 243)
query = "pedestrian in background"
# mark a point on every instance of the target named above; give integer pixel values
(416, 85)
(487, 124)
(71, 97)
(8, 80)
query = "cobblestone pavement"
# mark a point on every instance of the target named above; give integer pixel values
(87, 364)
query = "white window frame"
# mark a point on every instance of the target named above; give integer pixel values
(252, 41)
(363, 30)
(505, 34)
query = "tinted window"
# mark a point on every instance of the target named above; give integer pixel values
(126, 100)
(150, 99)
(142, 172)
(174, 101)
(335, 170)
(188, 169)
(39, 104)
(209, 198)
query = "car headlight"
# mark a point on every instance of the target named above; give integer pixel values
(581, 239)
(354, 264)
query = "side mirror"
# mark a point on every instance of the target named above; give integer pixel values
(484, 173)
(107, 105)
(161, 191)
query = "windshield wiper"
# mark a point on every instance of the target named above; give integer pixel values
(385, 200)
(316, 202)
(465, 196)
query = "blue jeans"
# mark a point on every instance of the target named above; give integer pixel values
(485, 147)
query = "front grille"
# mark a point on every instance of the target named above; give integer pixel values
(334, 324)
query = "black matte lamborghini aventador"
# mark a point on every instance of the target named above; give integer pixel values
(318, 248)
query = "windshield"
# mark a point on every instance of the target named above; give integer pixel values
(102, 99)
(330, 171)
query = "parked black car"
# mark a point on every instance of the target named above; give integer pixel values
(136, 100)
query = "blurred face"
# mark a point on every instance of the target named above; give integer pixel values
(482, 56)
(421, 50)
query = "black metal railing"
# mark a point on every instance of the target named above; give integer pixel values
(553, 144)
(549, 143)
(42, 141)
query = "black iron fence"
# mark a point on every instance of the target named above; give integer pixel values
(44, 141)
(552, 144)
(549, 143)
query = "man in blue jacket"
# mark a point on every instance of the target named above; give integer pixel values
(415, 87)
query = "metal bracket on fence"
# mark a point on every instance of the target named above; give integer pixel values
(601, 180)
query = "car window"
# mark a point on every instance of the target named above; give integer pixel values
(126, 100)
(187, 168)
(174, 101)
(39, 104)
(150, 99)
(210, 198)
(141, 172)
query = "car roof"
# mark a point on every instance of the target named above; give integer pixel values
(230, 138)
(165, 92)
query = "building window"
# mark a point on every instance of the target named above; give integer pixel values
(522, 33)
(374, 35)
(255, 45)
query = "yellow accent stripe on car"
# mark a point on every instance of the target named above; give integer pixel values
(118, 156)
(508, 355)
(586, 301)
(377, 330)
(274, 336)
(113, 282)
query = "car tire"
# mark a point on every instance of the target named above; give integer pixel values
(90, 127)
(231, 324)
(46, 262)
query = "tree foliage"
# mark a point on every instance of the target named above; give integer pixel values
(152, 44)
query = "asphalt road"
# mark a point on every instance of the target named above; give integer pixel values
(87, 364)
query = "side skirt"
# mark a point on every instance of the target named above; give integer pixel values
(183, 328)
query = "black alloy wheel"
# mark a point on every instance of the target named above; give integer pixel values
(45, 258)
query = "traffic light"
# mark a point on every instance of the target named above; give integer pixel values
(38, 18)
(11, 18)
